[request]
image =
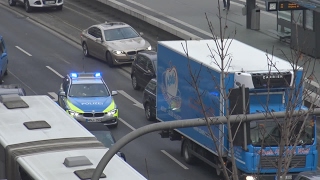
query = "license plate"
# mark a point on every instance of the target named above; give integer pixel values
(49, 2)
(93, 120)
(288, 177)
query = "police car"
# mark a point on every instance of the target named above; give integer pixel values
(87, 98)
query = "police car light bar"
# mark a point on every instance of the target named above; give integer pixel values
(97, 75)
(74, 75)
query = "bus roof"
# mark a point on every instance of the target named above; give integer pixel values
(245, 58)
(39, 136)
(13, 131)
(117, 169)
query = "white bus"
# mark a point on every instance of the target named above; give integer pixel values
(40, 141)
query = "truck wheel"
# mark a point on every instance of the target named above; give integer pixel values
(134, 82)
(85, 50)
(110, 60)
(6, 72)
(1, 81)
(27, 6)
(147, 112)
(187, 156)
(12, 2)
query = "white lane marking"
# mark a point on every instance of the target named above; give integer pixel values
(61, 58)
(23, 83)
(54, 71)
(136, 103)
(174, 159)
(127, 124)
(54, 95)
(23, 51)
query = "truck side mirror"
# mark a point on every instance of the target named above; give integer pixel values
(113, 93)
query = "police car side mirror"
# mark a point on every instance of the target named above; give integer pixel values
(62, 93)
(114, 93)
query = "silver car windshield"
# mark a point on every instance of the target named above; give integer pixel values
(120, 33)
(88, 90)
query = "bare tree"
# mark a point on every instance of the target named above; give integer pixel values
(291, 129)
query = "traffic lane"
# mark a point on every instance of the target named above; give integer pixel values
(161, 156)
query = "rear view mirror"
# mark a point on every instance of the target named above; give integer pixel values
(114, 93)
(62, 93)
(141, 33)
(98, 40)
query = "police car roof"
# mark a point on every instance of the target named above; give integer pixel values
(87, 81)
(13, 131)
(50, 165)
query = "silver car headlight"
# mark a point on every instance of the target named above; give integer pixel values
(73, 113)
(149, 48)
(117, 52)
(112, 112)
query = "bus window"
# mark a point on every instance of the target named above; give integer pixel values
(24, 175)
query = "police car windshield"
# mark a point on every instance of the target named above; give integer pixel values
(88, 90)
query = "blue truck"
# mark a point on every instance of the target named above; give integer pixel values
(266, 89)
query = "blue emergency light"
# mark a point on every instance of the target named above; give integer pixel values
(74, 75)
(97, 75)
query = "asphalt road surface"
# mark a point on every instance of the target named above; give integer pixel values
(39, 59)
(43, 46)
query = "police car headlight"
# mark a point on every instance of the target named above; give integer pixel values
(149, 48)
(73, 113)
(250, 178)
(112, 112)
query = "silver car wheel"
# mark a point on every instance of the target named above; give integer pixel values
(85, 49)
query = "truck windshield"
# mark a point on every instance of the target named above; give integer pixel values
(268, 132)
(88, 90)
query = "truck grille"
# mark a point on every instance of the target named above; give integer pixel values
(270, 162)
(93, 115)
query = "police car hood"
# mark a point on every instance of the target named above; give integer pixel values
(87, 104)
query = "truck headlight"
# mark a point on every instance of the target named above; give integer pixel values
(73, 113)
(112, 112)
(250, 178)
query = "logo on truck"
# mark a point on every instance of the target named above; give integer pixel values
(170, 88)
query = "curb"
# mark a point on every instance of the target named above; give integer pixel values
(151, 20)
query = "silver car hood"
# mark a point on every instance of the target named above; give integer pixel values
(129, 44)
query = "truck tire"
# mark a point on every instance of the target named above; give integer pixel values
(187, 156)
(12, 2)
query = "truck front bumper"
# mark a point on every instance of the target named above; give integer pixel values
(289, 176)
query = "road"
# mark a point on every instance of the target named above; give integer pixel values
(40, 56)
(38, 61)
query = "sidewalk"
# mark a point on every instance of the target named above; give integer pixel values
(186, 19)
